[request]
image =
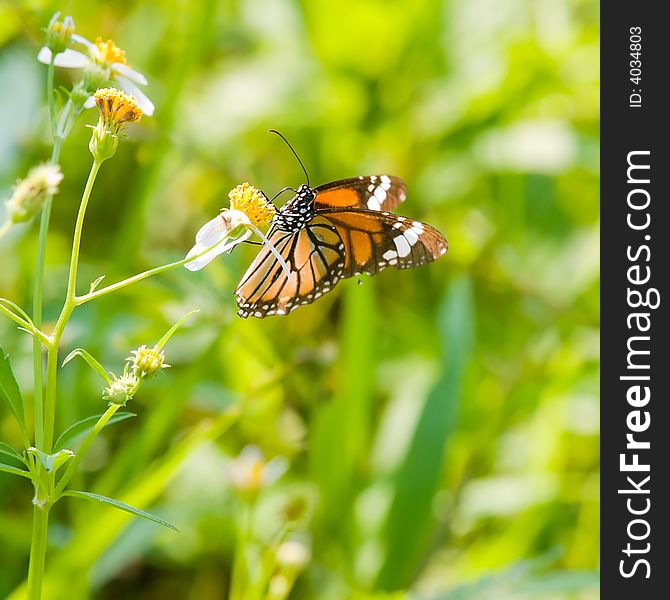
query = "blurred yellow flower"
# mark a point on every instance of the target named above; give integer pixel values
(105, 63)
(249, 473)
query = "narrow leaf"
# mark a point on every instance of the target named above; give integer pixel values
(9, 391)
(52, 462)
(14, 470)
(172, 329)
(16, 309)
(92, 362)
(95, 284)
(8, 450)
(410, 518)
(121, 506)
(81, 428)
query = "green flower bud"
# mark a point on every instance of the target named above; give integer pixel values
(59, 33)
(30, 193)
(121, 389)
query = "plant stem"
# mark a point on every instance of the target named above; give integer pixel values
(140, 276)
(88, 440)
(38, 281)
(68, 306)
(38, 549)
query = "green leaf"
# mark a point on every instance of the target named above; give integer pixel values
(52, 462)
(410, 521)
(92, 362)
(9, 391)
(81, 428)
(170, 332)
(14, 470)
(95, 284)
(8, 450)
(121, 506)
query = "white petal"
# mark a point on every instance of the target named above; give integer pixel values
(129, 87)
(212, 231)
(90, 102)
(207, 257)
(126, 71)
(70, 59)
(274, 470)
(92, 48)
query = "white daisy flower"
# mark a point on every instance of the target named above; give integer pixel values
(249, 473)
(249, 208)
(110, 63)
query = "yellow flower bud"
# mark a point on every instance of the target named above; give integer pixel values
(147, 361)
(116, 110)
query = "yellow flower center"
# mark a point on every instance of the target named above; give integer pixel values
(117, 107)
(253, 203)
(110, 52)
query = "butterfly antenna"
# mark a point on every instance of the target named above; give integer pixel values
(294, 153)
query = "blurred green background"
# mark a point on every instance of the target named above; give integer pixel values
(440, 424)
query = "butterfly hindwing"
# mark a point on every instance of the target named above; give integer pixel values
(374, 241)
(373, 192)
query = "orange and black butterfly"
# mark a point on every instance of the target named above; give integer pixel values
(331, 232)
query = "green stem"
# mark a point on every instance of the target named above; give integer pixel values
(38, 550)
(239, 583)
(38, 280)
(140, 276)
(88, 440)
(68, 306)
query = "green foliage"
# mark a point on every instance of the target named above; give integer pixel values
(77, 431)
(9, 391)
(121, 506)
(441, 424)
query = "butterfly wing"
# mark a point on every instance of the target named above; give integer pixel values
(315, 257)
(374, 192)
(336, 244)
(374, 241)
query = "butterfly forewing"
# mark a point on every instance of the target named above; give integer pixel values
(373, 192)
(315, 257)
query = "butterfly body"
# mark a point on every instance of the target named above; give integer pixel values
(297, 212)
(332, 232)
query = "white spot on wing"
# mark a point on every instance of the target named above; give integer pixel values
(390, 255)
(411, 236)
(373, 203)
(402, 245)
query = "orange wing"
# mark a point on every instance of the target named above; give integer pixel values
(336, 244)
(315, 258)
(374, 192)
(374, 241)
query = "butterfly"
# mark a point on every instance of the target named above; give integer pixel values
(332, 232)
